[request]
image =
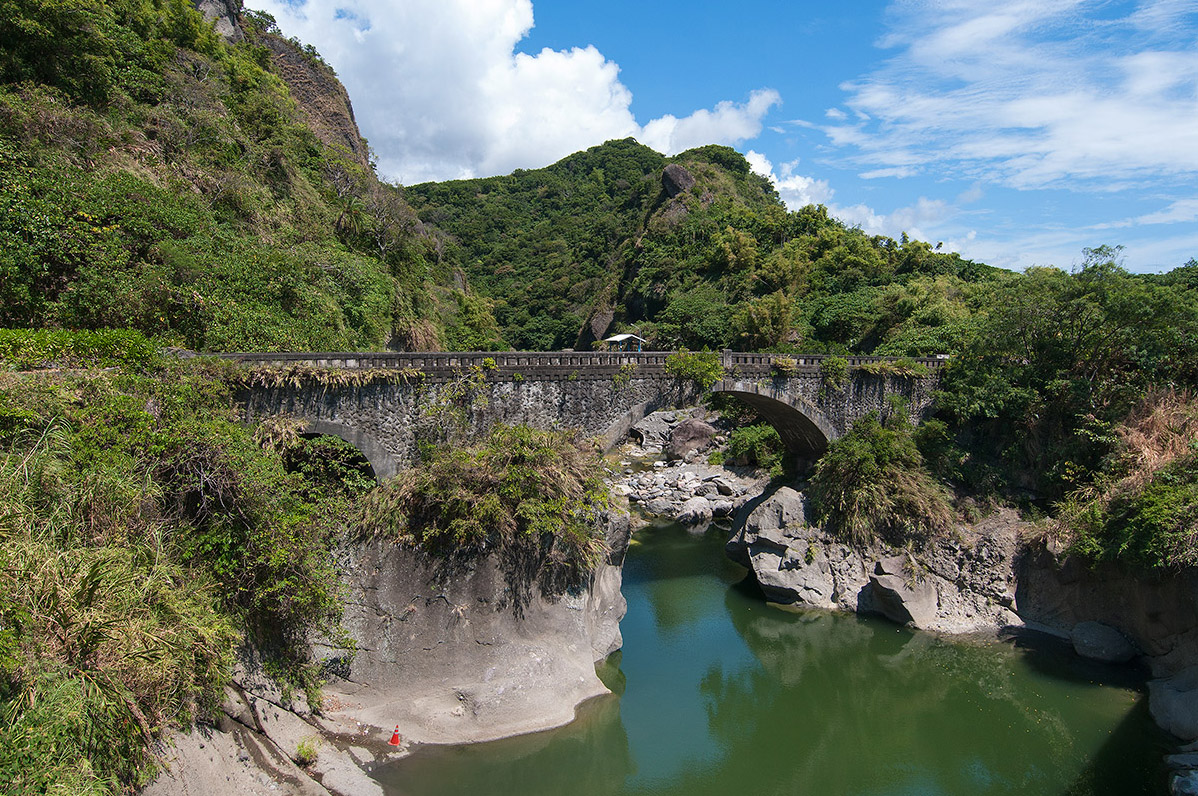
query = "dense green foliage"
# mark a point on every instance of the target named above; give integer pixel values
(1051, 362)
(534, 497)
(757, 445)
(872, 484)
(28, 349)
(541, 243)
(597, 236)
(1143, 509)
(704, 368)
(144, 533)
(155, 177)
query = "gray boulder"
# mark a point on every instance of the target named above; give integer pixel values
(900, 596)
(659, 506)
(1173, 702)
(653, 430)
(786, 508)
(1101, 642)
(695, 511)
(689, 436)
(1184, 783)
(722, 508)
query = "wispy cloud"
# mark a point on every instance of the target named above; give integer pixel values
(441, 92)
(1050, 93)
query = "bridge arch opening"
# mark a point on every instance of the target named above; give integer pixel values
(804, 433)
(331, 450)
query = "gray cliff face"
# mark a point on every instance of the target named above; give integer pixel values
(224, 14)
(447, 655)
(455, 655)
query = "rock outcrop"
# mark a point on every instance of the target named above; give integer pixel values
(223, 13)
(455, 654)
(449, 653)
(676, 179)
(321, 97)
(956, 585)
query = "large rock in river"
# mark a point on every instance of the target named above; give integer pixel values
(953, 585)
(689, 435)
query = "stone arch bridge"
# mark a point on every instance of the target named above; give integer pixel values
(380, 402)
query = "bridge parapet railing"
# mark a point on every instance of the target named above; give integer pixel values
(738, 363)
(550, 364)
(530, 364)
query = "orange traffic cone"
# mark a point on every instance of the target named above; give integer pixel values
(395, 737)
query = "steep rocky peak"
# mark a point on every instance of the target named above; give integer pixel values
(675, 179)
(224, 13)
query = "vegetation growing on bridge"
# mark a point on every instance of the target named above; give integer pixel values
(704, 368)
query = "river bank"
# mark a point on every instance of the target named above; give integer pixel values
(444, 655)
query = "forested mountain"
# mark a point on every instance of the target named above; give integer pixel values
(694, 250)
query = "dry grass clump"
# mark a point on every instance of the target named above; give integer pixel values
(1145, 511)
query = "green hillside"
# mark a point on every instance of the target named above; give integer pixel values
(157, 177)
(701, 254)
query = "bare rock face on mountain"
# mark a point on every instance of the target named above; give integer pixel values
(224, 13)
(320, 95)
(676, 179)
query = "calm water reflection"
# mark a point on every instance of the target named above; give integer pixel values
(718, 693)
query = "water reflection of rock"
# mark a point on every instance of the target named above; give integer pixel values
(589, 757)
(852, 706)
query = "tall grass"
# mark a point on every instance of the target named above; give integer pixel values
(143, 534)
(106, 638)
(872, 484)
(1143, 511)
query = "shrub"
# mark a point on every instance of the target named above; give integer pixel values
(759, 445)
(306, 752)
(834, 371)
(1145, 512)
(704, 368)
(28, 349)
(532, 497)
(785, 366)
(872, 483)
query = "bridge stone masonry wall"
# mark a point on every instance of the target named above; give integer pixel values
(810, 411)
(602, 394)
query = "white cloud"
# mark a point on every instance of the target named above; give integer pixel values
(441, 93)
(918, 221)
(1181, 211)
(1031, 94)
(728, 123)
(796, 190)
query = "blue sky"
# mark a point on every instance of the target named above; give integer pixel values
(1015, 132)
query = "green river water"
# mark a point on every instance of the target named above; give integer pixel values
(716, 692)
